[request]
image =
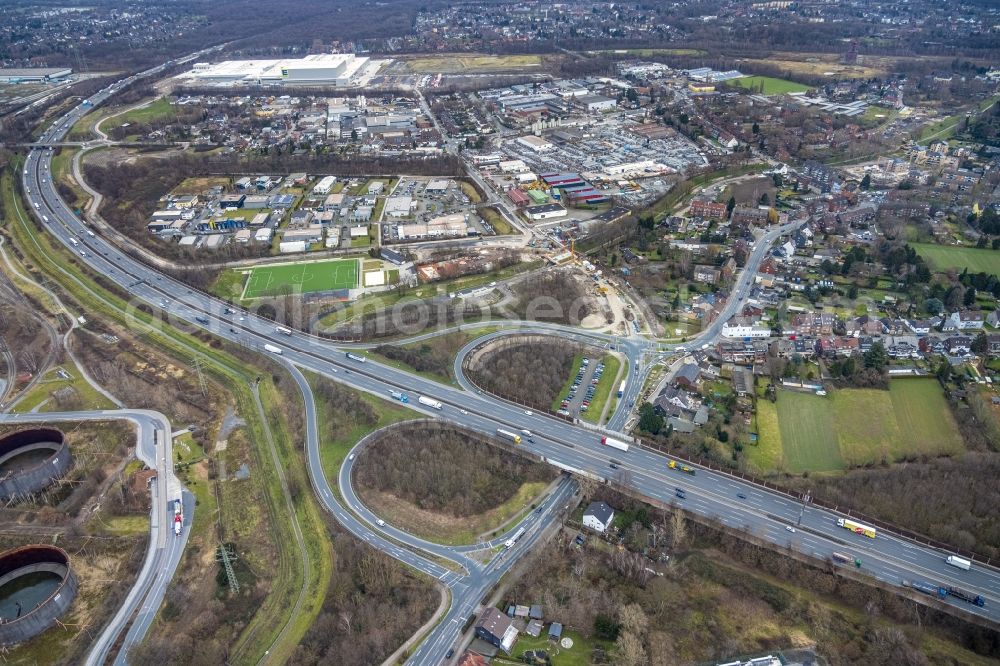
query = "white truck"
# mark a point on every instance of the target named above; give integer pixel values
(355, 357)
(959, 562)
(283, 330)
(273, 349)
(430, 402)
(614, 443)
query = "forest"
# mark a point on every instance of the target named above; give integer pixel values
(533, 373)
(407, 462)
(721, 596)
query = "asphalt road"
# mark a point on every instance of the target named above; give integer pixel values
(466, 586)
(154, 448)
(712, 494)
(885, 555)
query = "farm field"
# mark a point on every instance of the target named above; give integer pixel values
(772, 86)
(854, 427)
(943, 257)
(457, 63)
(307, 277)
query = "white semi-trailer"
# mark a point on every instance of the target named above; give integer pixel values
(273, 349)
(959, 562)
(614, 443)
(430, 402)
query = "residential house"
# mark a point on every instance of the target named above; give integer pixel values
(993, 319)
(750, 216)
(741, 351)
(865, 325)
(931, 345)
(813, 323)
(688, 376)
(958, 345)
(672, 400)
(555, 631)
(707, 209)
(598, 517)
(742, 381)
(496, 629)
(706, 274)
(832, 347)
(993, 345)
(967, 320)
(919, 326)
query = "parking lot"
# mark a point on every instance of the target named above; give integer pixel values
(582, 390)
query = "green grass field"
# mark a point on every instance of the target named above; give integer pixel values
(808, 433)
(772, 86)
(854, 427)
(305, 277)
(943, 257)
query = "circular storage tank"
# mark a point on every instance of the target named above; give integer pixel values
(30, 460)
(37, 586)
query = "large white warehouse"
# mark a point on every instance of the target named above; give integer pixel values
(330, 69)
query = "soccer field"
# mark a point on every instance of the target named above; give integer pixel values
(772, 86)
(302, 278)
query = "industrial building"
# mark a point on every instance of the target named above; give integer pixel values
(324, 186)
(398, 206)
(535, 143)
(34, 74)
(545, 211)
(329, 69)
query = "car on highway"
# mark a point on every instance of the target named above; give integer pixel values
(741, 495)
(613, 466)
(528, 412)
(380, 522)
(789, 528)
(449, 654)
(350, 457)
(680, 493)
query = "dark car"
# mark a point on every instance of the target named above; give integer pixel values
(449, 654)
(613, 466)
(741, 495)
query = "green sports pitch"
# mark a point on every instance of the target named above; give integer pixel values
(305, 278)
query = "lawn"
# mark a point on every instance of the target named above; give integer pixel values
(607, 384)
(808, 433)
(499, 223)
(765, 453)
(159, 109)
(577, 364)
(944, 257)
(772, 86)
(924, 418)
(578, 655)
(854, 427)
(66, 376)
(306, 277)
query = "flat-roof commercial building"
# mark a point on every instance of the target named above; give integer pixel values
(545, 211)
(330, 69)
(535, 143)
(398, 206)
(324, 186)
(33, 74)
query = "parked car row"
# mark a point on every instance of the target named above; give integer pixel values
(589, 391)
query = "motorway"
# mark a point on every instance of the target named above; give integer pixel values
(566, 445)
(154, 448)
